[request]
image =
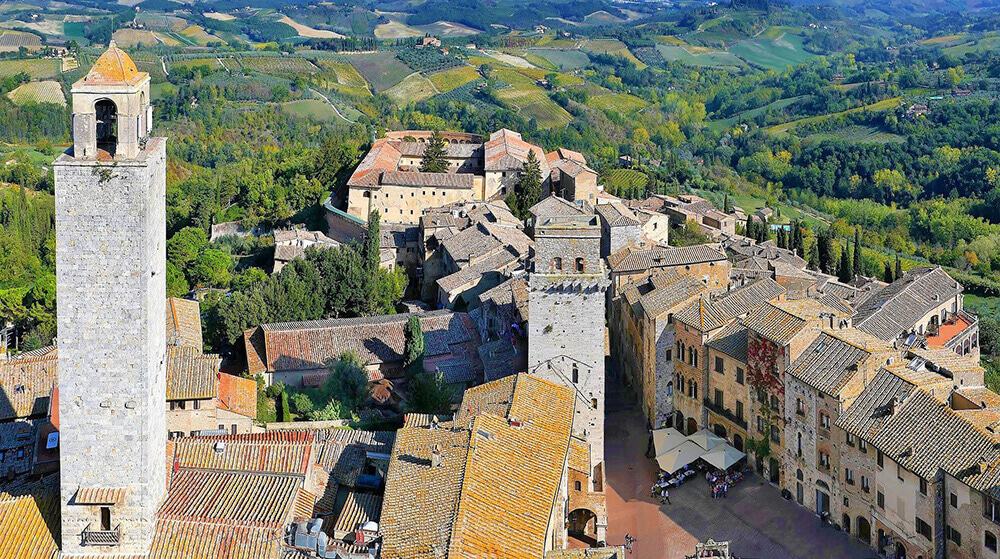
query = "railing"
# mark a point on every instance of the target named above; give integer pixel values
(724, 412)
(101, 537)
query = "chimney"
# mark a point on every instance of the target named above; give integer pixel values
(435, 456)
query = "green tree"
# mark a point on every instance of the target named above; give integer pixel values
(844, 271)
(373, 242)
(177, 284)
(212, 268)
(528, 189)
(827, 263)
(856, 263)
(433, 160)
(185, 246)
(389, 286)
(887, 273)
(814, 255)
(899, 269)
(429, 393)
(413, 361)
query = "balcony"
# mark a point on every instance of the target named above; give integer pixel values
(724, 412)
(101, 537)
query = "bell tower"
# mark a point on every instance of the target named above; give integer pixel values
(110, 273)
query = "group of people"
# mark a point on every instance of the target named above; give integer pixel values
(720, 482)
(665, 481)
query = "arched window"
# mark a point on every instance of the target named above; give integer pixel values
(576, 374)
(557, 263)
(798, 475)
(695, 384)
(577, 485)
(107, 125)
(579, 264)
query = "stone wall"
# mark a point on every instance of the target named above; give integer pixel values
(110, 238)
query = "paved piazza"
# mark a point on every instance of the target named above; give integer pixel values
(758, 522)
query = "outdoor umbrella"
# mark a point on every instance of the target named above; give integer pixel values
(706, 439)
(667, 439)
(679, 457)
(723, 456)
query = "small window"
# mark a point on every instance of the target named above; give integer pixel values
(105, 519)
(576, 374)
(800, 407)
(740, 375)
(865, 485)
(557, 263)
(739, 410)
(668, 355)
(924, 529)
(719, 399)
(720, 365)
(880, 459)
(880, 500)
(849, 476)
(577, 485)
(954, 535)
(850, 439)
(863, 446)
(990, 541)
(824, 420)
(953, 499)
(579, 264)
(196, 404)
(593, 403)
(923, 486)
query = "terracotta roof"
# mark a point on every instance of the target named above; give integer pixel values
(343, 452)
(238, 395)
(294, 346)
(718, 311)
(731, 340)
(896, 309)
(633, 259)
(29, 521)
(828, 363)
(469, 243)
(617, 214)
(383, 156)
(100, 495)
(191, 375)
(114, 67)
(430, 180)
(249, 498)
(354, 511)
(555, 206)
(507, 151)
(666, 291)
(274, 452)
(184, 323)
(500, 262)
(775, 324)
(190, 539)
(511, 292)
(26, 384)
(494, 491)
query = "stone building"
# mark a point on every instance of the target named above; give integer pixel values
(820, 385)
(110, 261)
(696, 324)
(642, 331)
(566, 342)
(707, 263)
(924, 306)
(619, 227)
(292, 244)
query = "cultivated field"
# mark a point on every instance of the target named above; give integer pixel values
(616, 102)
(530, 100)
(858, 135)
(309, 32)
(774, 49)
(449, 79)
(279, 65)
(883, 105)
(315, 109)
(613, 47)
(219, 16)
(342, 77)
(11, 41)
(130, 38)
(673, 49)
(37, 68)
(396, 30)
(447, 29)
(198, 34)
(212, 63)
(412, 89)
(509, 59)
(48, 91)
(563, 59)
(381, 69)
(753, 113)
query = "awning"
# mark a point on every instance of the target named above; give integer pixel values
(706, 439)
(100, 496)
(723, 456)
(679, 457)
(667, 439)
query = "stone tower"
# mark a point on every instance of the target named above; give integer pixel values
(110, 271)
(566, 303)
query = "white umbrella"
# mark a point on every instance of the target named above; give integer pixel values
(706, 439)
(679, 457)
(667, 439)
(723, 456)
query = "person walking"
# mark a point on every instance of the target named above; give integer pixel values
(666, 496)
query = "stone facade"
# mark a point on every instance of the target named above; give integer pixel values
(729, 394)
(111, 270)
(566, 298)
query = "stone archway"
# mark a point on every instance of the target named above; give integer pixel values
(107, 125)
(692, 426)
(582, 525)
(738, 442)
(864, 530)
(679, 421)
(900, 550)
(720, 430)
(845, 522)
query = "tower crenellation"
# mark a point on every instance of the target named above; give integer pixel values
(111, 273)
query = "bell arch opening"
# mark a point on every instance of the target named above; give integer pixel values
(107, 125)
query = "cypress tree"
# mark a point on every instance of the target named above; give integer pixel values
(844, 271)
(814, 256)
(887, 273)
(433, 160)
(856, 266)
(899, 269)
(373, 243)
(414, 346)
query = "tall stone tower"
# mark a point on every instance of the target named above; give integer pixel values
(566, 302)
(110, 270)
